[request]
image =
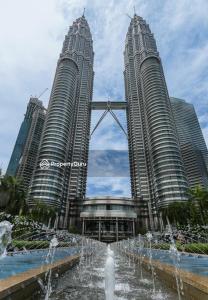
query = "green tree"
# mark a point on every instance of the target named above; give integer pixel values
(74, 229)
(193, 211)
(199, 196)
(12, 195)
(177, 213)
(42, 212)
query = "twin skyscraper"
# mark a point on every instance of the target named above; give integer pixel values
(158, 174)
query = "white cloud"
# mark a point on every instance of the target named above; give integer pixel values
(107, 186)
(205, 133)
(32, 33)
(108, 134)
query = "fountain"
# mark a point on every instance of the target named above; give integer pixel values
(94, 276)
(50, 259)
(5, 237)
(176, 261)
(109, 275)
(149, 238)
(47, 289)
(141, 247)
(81, 260)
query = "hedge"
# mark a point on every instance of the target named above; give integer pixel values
(29, 245)
(199, 248)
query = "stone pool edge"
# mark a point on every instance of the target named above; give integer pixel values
(23, 285)
(195, 287)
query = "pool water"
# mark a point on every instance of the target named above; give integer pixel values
(197, 264)
(24, 261)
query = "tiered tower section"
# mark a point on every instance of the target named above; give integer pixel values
(157, 173)
(66, 131)
(79, 41)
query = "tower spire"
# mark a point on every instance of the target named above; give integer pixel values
(128, 16)
(83, 12)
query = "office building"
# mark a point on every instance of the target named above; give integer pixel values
(192, 143)
(24, 155)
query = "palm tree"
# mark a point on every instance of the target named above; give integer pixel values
(200, 196)
(4, 194)
(12, 195)
(193, 211)
(42, 212)
(177, 213)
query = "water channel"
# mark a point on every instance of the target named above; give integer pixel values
(88, 281)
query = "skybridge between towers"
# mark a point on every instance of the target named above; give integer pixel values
(103, 105)
(108, 107)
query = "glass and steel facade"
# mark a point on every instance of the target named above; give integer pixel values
(108, 218)
(192, 143)
(25, 151)
(66, 131)
(157, 172)
(156, 168)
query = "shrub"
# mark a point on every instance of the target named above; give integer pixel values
(74, 229)
(196, 248)
(199, 248)
(29, 245)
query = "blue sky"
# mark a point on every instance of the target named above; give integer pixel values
(32, 33)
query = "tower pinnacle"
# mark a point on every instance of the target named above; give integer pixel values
(83, 15)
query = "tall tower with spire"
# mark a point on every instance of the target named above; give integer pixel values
(66, 131)
(157, 172)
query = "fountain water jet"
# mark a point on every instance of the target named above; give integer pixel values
(149, 238)
(141, 247)
(5, 237)
(50, 259)
(176, 261)
(109, 275)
